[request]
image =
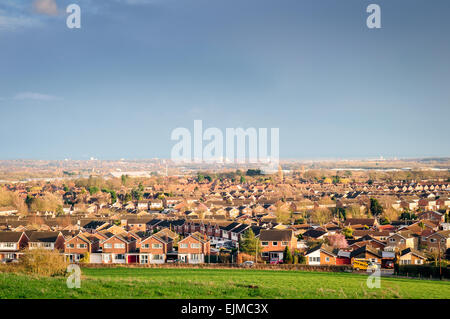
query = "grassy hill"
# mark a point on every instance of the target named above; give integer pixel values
(216, 283)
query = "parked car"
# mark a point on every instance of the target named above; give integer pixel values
(247, 263)
(276, 261)
(389, 264)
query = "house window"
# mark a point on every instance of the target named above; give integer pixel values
(183, 245)
(195, 245)
(274, 243)
(108, 245)
(419, 261)
(47, 245)
(144, 259)
(284, 243)
(264, 243)
(82, 246)
(432, 240)
(157, 257)
(119, 245)
(120, 257)
(195, 257)
(156, 246)
(70, 245)
(392, 240)
(9, 245)
(145, 245)
(327, 259)
(314, 259)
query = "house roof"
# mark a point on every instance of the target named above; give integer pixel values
(10, 236)
(276, 235)
(43, 236)
(412, 251)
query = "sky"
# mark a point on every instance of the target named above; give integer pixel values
(138, 69)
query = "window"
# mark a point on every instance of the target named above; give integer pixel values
(327, 259)
(419, 261)
(314, 259)
(82, 246)
(157, 257)
(70, 245)
(183, 245)
(432, 240)
(144, 259)
(9, 245)
(195, 245)
(156, 246)
(264, 243)
(108, 245)
(274, 243)
(284, 243)
(195, 257)
(120, 245)
(392, 240)
(120, 256)
(47, 245)
(145, 245)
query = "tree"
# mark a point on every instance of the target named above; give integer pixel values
(321, 216)
(375, 207)
(347, 232)
(249, 244)
(93, 190)
(242, 180)
(337, 241)
(287, 256)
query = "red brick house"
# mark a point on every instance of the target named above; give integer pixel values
(116, 248)
(154, 249)
(274, 242)
(194, 248)
(80, 245)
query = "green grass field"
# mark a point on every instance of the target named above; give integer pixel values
(216, 283)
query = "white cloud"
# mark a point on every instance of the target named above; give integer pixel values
(48, 7)
(35, 96)
(15, 22)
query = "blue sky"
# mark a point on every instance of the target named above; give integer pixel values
(137, 69)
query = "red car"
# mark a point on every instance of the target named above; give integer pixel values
(389, 264)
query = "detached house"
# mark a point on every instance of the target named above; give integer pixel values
(46, 240)
(274, 242)
(440, 239)
(78, 246)
(154, 249)
(321, 255)
(402, 240)
(11, 244)
(410, 256)
(115, 249)
(194, 248)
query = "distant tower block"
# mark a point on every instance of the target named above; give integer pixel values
(280, 173)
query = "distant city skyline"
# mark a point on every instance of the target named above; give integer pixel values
(136, 70)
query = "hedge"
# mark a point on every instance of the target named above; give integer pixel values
(424, 271)
(331, 268)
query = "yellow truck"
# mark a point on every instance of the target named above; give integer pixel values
(364, 264)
